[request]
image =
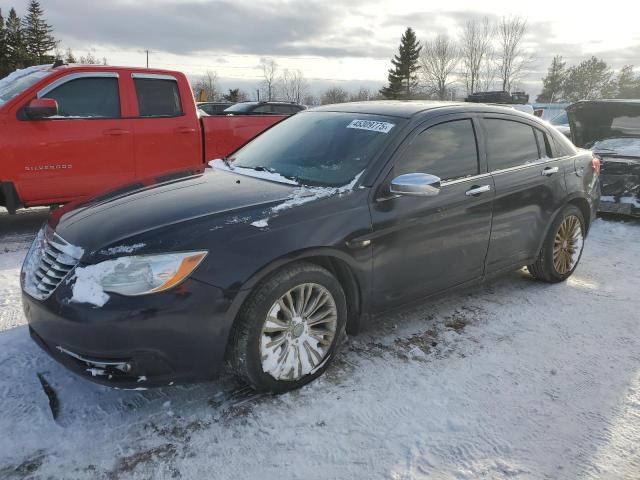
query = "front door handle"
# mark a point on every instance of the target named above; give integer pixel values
(185, 130)
(116, 131)
(547, 172)
(477, 190)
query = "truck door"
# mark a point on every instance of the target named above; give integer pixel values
(85, 149)
(166, 138)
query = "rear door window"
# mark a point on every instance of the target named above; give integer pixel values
(158, 97)
(510, 144)
(447, 150)
(88, 97)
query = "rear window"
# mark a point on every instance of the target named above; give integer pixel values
(87, 98)
(509, 144)
(158, 97)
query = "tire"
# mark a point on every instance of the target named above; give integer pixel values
(298, 357)
(557, 267)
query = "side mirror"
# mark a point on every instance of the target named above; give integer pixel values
(41, 108)
(416, 184)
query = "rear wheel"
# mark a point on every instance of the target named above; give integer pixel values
(562, 248)
(287, 332)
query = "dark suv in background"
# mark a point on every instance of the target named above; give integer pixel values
(252, 108)
(214, 108)
(331, 216)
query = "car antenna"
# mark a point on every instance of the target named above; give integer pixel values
(58, 63)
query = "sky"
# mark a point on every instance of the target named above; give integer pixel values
(341, 43)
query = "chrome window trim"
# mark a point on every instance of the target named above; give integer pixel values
(153, 76)
(542, 161)
(74, 76)
(464, 179)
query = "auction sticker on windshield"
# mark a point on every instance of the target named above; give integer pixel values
(382, 127)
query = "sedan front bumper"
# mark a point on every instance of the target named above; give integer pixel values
(177, 336)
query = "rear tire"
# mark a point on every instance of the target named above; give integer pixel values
(562, 247)
(287, 332)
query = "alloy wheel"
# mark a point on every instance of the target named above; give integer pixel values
(567, 245)
(298, 332)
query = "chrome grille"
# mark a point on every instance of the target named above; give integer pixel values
(48, 262)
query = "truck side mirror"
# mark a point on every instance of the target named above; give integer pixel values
(41, 108)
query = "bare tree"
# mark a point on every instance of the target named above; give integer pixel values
(294, 85)
(362, 95)
(311, 100)
(334, 95)
(511, 57)
(270, 77)
(205, 88)
(475, 49)
(438, 61)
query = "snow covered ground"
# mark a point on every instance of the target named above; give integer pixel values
(514, 379)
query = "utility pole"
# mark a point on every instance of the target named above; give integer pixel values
(147, 58)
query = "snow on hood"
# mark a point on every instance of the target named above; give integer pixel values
(10, 86)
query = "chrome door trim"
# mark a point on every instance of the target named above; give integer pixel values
(542, 161)
(73, 76)
(465, 179)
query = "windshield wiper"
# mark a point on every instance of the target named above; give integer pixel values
(227, 163)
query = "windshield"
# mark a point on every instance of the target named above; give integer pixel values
(327, 149)
(560, 119)
(17, 82)
(241, 107)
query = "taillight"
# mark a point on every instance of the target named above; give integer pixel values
(596, 164)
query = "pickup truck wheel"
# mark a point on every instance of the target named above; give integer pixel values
(287, 332)
(562, 247)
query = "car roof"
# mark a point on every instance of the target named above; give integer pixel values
(410, 108)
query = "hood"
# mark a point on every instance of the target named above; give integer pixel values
(133, 211)
(593, 121)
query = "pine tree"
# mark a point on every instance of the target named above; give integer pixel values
(4, 67)
(37, 34)
(552, 83)
(69, 57)
(403, 78)
(16, 52)
(590, 80)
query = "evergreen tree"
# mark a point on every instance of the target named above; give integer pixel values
(552, 83)
(403, 78)
(591, 79)
(69, 57)
(4, 67)
(16, 51)
(627, 83)
(37, 34)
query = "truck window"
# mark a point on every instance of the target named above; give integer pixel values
(87, 98)
(158, 97)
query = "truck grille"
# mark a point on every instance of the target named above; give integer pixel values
(48, 262)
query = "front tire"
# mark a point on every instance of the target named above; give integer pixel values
(562, 247)
(287, 332)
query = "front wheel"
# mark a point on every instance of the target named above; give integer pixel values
(287, 332)
(562, 248)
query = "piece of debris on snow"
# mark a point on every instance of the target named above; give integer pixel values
(54, 403)
(142, 378)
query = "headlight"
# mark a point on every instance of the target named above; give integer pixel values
(140, 275)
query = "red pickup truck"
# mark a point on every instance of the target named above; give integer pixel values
(68, 132)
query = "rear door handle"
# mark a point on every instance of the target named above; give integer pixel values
(477, 190)
(116, 131)
(547, 172)
(185, 130)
